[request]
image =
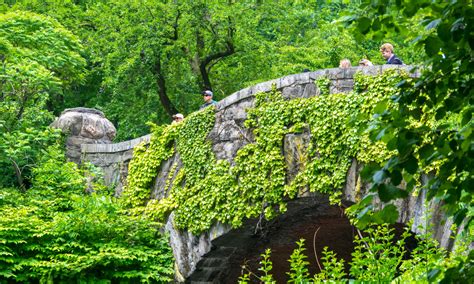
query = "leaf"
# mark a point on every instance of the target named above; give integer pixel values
(411, 165)
(466, 116)
(368, 170)
(426, 152)
(363, 24)
(389, 192)
(444, 32)
(433, 24)
(379, 176)
(396, 177)
(381, 107)
(389, 214)
(432, 45)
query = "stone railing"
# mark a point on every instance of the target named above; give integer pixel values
(228, 134)
(113, 159)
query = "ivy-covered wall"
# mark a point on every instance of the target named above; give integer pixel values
(228, 134)
(264, 145)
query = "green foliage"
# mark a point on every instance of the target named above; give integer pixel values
(442, 144)
(265, 267)
(298, 264)
(323, 84)
(332, 268)
(149, 57)
(39, 60)
(143, 168)
(41, 40)
(54, 232)
(377, 257)
(21, 150)
(206, 190)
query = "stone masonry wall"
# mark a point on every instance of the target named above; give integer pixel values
(113, 159)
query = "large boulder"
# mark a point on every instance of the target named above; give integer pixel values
(84, 126)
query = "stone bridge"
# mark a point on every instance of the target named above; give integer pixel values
(229, 135)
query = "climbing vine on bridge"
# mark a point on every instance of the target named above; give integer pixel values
(206, 190)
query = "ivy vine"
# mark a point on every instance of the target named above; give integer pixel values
(207, 190)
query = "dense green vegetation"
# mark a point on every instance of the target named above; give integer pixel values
(148, 59)
(56, 232)
(207, 191)
(143, 60)
(378, 257)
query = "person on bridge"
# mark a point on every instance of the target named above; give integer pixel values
(344, 63)
(177, 118)
(387, 52)
(365, 62)
(208, 101)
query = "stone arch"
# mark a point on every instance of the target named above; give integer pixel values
(229, 135)
(310, 218)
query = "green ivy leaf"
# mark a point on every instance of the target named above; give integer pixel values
(363, 24)
(389, 192)
(389, 214)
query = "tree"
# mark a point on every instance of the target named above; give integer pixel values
(442, 146)
(39, 60)
(147, 59)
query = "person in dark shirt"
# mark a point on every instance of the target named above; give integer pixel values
(208, 101)
(387, 52)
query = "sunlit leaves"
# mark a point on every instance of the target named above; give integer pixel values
(56, 231)
(441, 99)
(206, 190)
(39, 60)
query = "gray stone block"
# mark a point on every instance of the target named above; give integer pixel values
(293, 92)
(309, 90)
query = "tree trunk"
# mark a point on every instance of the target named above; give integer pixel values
(205, 77)
(160, 81)
(19, 178)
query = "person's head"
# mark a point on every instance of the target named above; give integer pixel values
(387, 50)
(345, 63)
(178, 117)
(207, 95)
(365, 62)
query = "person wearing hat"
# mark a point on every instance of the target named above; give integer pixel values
(208, 101)
(177, 118)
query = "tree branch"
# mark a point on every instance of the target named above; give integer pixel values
(160, 81)
(19, 178)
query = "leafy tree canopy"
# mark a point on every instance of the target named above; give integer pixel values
(40, 60)
(150, 59)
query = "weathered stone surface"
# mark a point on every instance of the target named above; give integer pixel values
(166, 175)
(292, 92)
(236, 111)
(188, 248)
(295, 148)
(413, 208)
(309, 90)
(84, 126)
(113, 159)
